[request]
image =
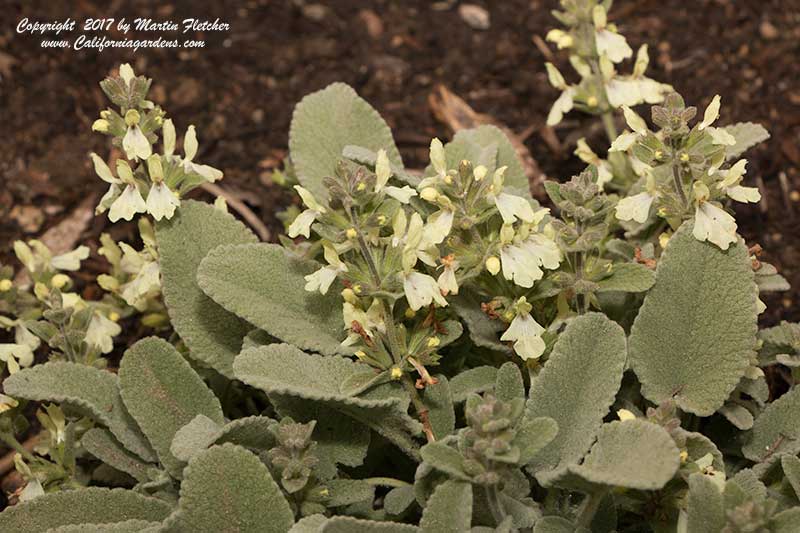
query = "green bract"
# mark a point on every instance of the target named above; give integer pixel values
(428, 351)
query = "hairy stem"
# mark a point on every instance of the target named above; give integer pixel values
(12, 442)
(422, 411)
(678, 179)
(610, 127)
(386, 482)
(589, 508)
(495, 505)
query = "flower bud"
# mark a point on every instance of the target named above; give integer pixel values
(493, 265)
(59, 281)
(100, 125)
(624, 414)
(113, 316)
(349, 296)
(41, 291)
(351, 233)
(433, 342)
(132, 117)
(5, 285)
(154, 168)
(429, 194)
(480, 172)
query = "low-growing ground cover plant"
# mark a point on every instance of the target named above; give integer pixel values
(428, 351)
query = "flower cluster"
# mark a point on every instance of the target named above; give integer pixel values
(160, 178)
(462, 225)
(685, 171)
(595, 47)
(24, 303)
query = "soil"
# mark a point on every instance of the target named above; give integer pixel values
(241, 88)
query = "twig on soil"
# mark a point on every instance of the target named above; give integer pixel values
(786, 190)
(543, 48)
(240, 207)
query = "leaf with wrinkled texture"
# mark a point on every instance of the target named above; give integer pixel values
(776, 431)
(487, 145)
(635, 454)
(627, 277)
(398, 499)
(263, 285)
(591, 352)
(92, 392)
(346, 524)
(194, 437)
(747, 135)
(695, 332)
(91, 505)
(509, 384)
(442, 457)
(706, 507)
(163, 394)
(533, 435)
(128, 526)
(348, 491)
(326, 121)
(791, 472)
(213, 335)
(101, 443)
(553, 524)
(474, 380)
(282, 369)
(483, 331)
(227, 488)
(439, 402)
(340, 438)
(449, 509)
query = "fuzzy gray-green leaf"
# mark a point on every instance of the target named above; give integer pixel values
(340, 439)
(442, 457)
(265, 286)
(487, 145)
(91, 505)
(101, 443)
(127, 526)
(509, 384)
(194, 437)
(627, 277)
(747, 134)
(577, 385)
(213, 335)
(776, 431)
(483, 331)
(324, 123)
(227, 488)
(439, 402)
(695, 333)
(90, 391)
(283, 370)
(475, 380)
(449, 509)
(534, 435)
(706, 508)
(791, 472)
(635, 454)
(163, 394)
(346, 524)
